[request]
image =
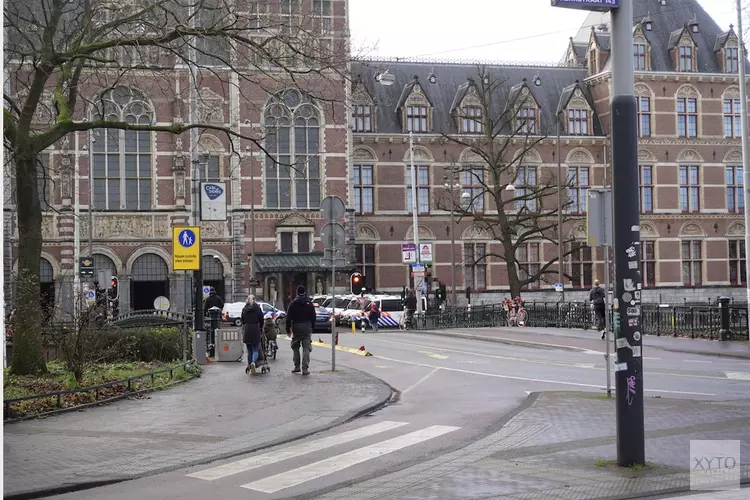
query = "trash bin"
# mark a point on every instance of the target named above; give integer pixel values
(199, 347)
(229, 344)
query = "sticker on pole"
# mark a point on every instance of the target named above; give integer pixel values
(91, 297)
(206, 292)
(621, 367)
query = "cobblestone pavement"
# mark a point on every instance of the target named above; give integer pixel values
(221, 414)
(563, 447)
(573, 339)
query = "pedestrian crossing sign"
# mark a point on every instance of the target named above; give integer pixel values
(186, 253)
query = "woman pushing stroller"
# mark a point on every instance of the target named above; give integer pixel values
(252, 319)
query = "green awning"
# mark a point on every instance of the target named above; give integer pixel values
(292, 263)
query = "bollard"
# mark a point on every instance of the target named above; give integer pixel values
(362, 320)
(354, 326)
(724, 332)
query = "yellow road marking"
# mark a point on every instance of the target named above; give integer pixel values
(525, 360)
(345, 349)
(433, 355)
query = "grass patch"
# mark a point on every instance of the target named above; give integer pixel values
(601, 463)
(60, 379)
(605, 463)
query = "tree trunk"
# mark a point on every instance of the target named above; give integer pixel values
(513, 281)
(28, 358)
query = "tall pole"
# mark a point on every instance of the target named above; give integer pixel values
(560, 239)
(76, 237)
(252, 219)
(745, 141)
(415, 218)
(627, 311)
(197, 275)
(91, 214)
(454, 300)
(334, 342)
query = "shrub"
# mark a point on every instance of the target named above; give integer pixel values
(146, 344)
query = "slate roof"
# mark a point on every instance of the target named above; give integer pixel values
(452, 83)
(666, 20)
(300, 262)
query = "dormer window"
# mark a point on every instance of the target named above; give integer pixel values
(686, 58)
(731, 60)
(471, 119)
(639, 56)
(416, 118)
(526, 120)
(362, 118)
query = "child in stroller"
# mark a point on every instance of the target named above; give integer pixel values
(270, 334)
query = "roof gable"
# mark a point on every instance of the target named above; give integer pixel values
(722, 39)
(410, 89)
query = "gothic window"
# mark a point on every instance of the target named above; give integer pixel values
(122, 159)
(292, 172)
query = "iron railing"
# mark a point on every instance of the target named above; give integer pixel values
(670, 320)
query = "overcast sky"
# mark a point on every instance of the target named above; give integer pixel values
(497, 30)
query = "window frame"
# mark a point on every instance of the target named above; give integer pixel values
(646, 187)
(690, 117)
(579, 190)
(419, 113)
(472, 119)
(693, 261)
(686, 56)
(361, 188)
(738, 261)
(524, 186)
(423, 189)
(689, 190)
(362, 118)
(476, 266)
(526, 120)
(731, 59)
(735, 185)
(581, 255)
(471, 183)
(648, 265)
(732, 116)
(639, 56)
(528, 265)
(644, 114)
(368, 269)
(578, 120)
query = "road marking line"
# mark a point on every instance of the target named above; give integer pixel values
(525, 379)
(433, 355)
(302, 448)
(342, 348)
(737, 375)
(696, 361)
(337, 463)
(420, 381)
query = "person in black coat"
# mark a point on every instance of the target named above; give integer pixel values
(252, 319)
(213, 300)
(300, 321)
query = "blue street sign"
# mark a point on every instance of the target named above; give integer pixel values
(597, 5)
(417, 267)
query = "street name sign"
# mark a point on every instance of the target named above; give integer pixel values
(597, 5)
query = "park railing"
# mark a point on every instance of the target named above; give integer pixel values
(668, 320)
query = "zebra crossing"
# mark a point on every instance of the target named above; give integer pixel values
(316, 469)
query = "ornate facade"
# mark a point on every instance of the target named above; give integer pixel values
(690, 171)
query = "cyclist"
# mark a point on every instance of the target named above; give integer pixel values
(410, 306)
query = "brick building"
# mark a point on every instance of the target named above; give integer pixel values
(690, 171)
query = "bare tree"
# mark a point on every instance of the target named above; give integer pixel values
(499, 150)
(67, 61)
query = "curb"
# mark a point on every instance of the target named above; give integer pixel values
(86, 485)
(500, 340)
(716, 354)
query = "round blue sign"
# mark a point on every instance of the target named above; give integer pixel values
(186, 238)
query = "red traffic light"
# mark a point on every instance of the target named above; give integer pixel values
(356, 279)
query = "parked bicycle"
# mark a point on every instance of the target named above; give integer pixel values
(515, 312)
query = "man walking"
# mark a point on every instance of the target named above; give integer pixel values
(596, 296)
(300, 320)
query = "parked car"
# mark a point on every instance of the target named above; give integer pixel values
(323, 319)
(391, 311)
(232, 312)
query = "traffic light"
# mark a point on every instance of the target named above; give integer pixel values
(356, 283)
(114, 291)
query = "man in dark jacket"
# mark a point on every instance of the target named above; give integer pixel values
(596, 296)
(213, 300)
(300, 320)
(410, 306)
(252, 319)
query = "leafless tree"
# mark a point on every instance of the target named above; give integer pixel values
(499, 150)
(67, 62)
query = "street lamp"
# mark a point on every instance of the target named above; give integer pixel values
(452, 184)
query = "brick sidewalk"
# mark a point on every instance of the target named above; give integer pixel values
(221, 414)
(590, 340)
(563, 445)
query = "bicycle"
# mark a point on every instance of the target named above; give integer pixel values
(516, 314)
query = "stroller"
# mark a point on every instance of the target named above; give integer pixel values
(265, 349)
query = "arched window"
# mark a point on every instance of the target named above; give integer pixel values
(122, 158)
(149, 280)
(104, 263)
(292, 176)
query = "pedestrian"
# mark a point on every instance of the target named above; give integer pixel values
(213, 300)
(374, 316)
(300, 321)
(410, 306)
(252, 319)
(596, 296)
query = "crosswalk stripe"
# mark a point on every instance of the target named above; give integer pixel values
(303, 448)
(315, 470)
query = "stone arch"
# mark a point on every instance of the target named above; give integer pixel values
(648, 230)
(120, 98)
(578, 232)
(528, 156)
(733, 156)
(643, 90)
(210, 143)
(731, 92)
(689, 155)
(116, 260)
(290, 101)
(736, 229)
(56, 270)
(687, 90)
(691, 229)
(425, 233)
(475, 232)
(469, 157)
(161, 252)
(646, 155)
(367, 232)
(421, 154)
(225, 263)
(579, 156)
(364, 153)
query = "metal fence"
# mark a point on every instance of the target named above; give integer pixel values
(673, 320)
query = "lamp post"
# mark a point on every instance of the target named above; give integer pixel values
(744, 131)
(560, 263)
(452, 184)
(252, 218)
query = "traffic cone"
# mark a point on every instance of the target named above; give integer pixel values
(362, 348)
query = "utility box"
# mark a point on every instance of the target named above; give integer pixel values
(199, 347)
(228, 344)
